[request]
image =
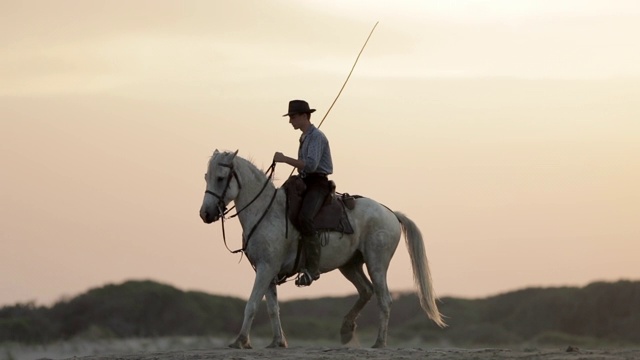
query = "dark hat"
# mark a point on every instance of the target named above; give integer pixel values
(298, 107)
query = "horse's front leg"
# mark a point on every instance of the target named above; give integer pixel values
(264, 276)
(273, 309)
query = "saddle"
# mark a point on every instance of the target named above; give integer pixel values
(331, 217)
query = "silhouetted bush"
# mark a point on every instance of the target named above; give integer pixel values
(598, 313)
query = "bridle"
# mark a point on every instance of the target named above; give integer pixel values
(222, 207)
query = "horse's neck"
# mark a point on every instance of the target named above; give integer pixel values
(252, 181)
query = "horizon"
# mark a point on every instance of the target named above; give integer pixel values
(508, 131)
(394, 293)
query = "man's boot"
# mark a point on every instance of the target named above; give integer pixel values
(311, 272)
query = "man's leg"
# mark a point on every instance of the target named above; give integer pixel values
(311, 204)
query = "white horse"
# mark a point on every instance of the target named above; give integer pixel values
(272, 249)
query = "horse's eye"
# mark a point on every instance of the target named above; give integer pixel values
(220, 178)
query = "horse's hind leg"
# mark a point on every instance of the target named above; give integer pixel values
(354, 273)
(273, 309)
(384, 303)
(378, 257)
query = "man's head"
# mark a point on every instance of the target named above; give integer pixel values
(299, 114)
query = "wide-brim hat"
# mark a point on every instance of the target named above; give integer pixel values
(298, 107)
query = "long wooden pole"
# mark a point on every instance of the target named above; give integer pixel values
(348, 76)
(345, 82)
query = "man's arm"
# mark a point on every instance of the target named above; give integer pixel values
(280, 157)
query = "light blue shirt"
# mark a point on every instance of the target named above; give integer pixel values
(315, 152)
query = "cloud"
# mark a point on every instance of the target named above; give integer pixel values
(159, 48)
(85, 46)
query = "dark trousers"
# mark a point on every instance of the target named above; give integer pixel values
(315, 195)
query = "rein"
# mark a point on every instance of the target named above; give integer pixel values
(245, 241)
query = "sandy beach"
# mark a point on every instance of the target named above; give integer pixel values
(309, 353)
(215, 348)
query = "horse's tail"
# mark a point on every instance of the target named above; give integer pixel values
(420, 265)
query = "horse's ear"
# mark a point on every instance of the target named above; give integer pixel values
(215, 152)
(235, 153)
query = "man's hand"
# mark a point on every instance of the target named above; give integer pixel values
(279, 157)
(282, 158)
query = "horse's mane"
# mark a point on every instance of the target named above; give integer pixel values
(249, 161)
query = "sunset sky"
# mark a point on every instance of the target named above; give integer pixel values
(508, 130)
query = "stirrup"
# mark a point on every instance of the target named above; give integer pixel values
(305, 279)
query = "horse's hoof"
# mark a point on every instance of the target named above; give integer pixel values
(282, 344)
(241, 344)
(346, 332)
(379, 345)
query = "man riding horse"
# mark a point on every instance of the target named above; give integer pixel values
(314, 164)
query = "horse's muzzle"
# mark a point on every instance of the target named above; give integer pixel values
(207, 218)
(210, 217)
